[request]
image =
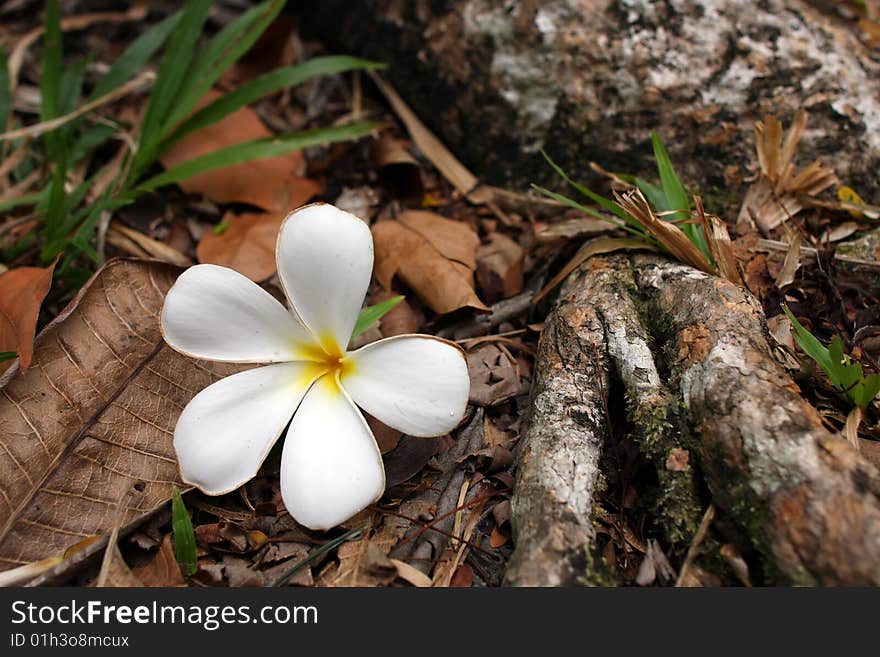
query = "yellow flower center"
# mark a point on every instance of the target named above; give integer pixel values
(328, 361)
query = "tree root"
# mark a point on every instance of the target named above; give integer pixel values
(709, 406)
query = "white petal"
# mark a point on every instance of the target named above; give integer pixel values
(330, 467)
(225, 432)
(415, 383)
(215, 313)
(325, 260)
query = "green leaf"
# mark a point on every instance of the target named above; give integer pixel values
(809, 343)
(89, 139)
(227, 46)
(56, 201)
(5, 93)
(673, 190)
(26, 199)
(655, 196)
(169, 78)
(631, 226)
(677, 197)
(135, 56)
(373, 314)
(600, 200)
(7, 355)
(254, 150)
(869, 389)
(71, 88)
(50, 82)
(50, 75)
(263, 85)
(184, 536)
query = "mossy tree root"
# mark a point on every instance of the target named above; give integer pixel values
(692, 354)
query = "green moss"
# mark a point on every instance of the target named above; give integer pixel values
(595, 570)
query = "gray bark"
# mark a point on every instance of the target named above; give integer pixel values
(805, 499)
(589, 79)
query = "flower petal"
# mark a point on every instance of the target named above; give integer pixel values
(215, 313)
(330, 467)
(417, 384)
(225, 432)
(325, 260)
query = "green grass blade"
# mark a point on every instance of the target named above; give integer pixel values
(674, 191)
(263, 85)
(677, 197)
(255, 150)
(89, 139)
(50, 75)
(70, 91)
(373, 314)
(5, 93)
(135, 56)
(810, 343)
(26, 199)
(7, 355)
(600, 200)
(170, 76)
(56, 202)
(351, 535)
(50, 81)
(221, 52)
(184, 536)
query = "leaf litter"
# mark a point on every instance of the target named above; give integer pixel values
(444, 242)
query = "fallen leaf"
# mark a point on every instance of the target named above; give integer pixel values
(463, 577)
(95, 415)
(500, 268)
(498, 538)
(398, 169)
(248, 243)
(400, 320)
(493, 374)
(386, 437)
(434, 257)
(119, 575)
(408, 458)
(22, 291)
(411, 574)
(270, 183)
(137, 244)
(163, 570)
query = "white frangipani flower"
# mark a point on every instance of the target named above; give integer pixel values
(331, 467)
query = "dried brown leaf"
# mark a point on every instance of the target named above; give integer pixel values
(667, 233)
(163, 570)
(269, 183)
(22, 291)
(494, 376)
(442, 283)
(500, 268)
(94, 415)
(247, 245)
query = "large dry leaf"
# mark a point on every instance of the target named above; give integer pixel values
(93, 416)
(22, 291)
(434, 256)
(269, 183)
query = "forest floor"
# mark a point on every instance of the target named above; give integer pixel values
(470, 268)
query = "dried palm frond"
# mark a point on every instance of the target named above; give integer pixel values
(780, 190)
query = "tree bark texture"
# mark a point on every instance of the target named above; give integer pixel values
(589, 79)
(694, 361)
